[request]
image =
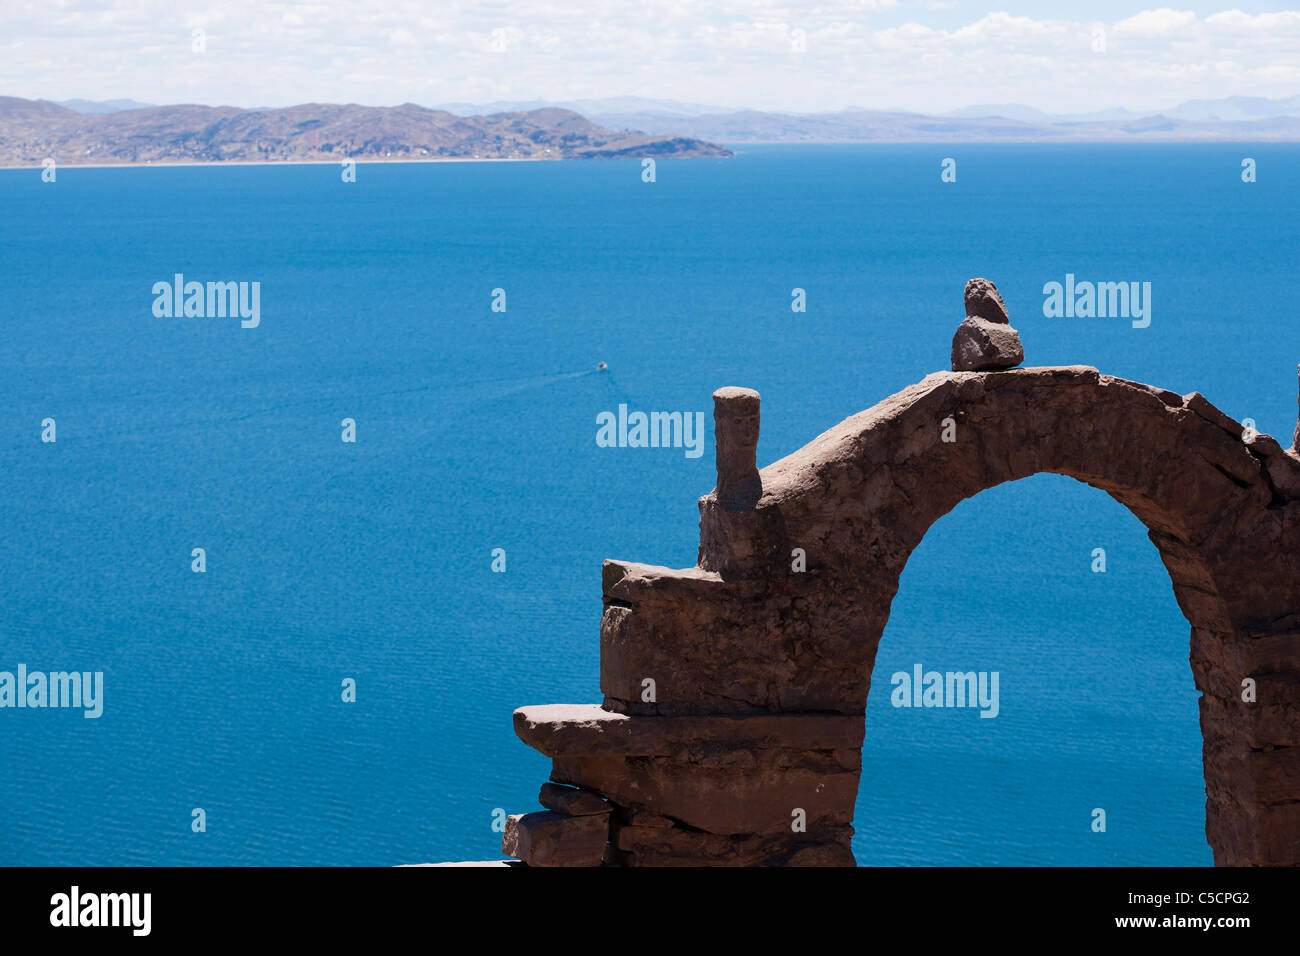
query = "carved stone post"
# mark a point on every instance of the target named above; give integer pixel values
(735, 429)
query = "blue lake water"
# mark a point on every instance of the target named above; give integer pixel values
(476, 430)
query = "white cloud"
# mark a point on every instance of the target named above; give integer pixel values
(1158, 23)
(731, 52)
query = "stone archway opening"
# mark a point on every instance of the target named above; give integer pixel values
(1095, 704)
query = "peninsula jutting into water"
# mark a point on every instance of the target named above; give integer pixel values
(32, 131)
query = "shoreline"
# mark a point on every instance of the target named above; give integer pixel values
(734, 147)
(277, 162)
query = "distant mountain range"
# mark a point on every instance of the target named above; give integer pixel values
(1234, 109)
(1230, 110)
(33, 130)
(93, 107)
(1238, 118)
(869, 126)
(127, 131)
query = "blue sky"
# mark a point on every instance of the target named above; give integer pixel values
(928, 55)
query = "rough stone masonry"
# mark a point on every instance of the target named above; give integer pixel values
(749, 750)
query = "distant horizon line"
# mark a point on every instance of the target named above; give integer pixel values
(740, 149)
(631, 103)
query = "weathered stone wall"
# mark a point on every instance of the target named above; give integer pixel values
(760, 672)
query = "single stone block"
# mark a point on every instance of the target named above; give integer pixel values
(1281, 465)
(1275, 775)
(735, 429)
(1204, 408)
(981, 346)
(588, 730)
(553, 839)
(723, 799)
(572, 801)
(651, 846)
(983, 301)
(1279, 835)
(634, 817)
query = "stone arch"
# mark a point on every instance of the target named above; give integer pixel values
(760, 672)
